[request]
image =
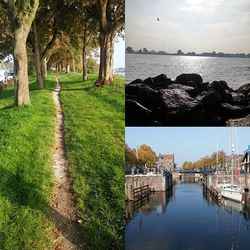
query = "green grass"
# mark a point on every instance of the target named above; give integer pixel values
(94, 129)
(26, 180)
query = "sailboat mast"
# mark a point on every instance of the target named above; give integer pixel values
(232, 155)
(217, 155)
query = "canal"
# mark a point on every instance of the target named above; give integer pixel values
(185, 218)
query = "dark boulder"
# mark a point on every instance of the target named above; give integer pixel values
(185, 78)
(133, 89)
(228, 111)
(228, 97)
(136, 81)
(239, 99)
(148, 81)
(208, 118)
(137, 115)
(148, 97)
(244, 89)
(190, 90)
(210, 100)
(162, 81)
(177, 101)
(221, 88)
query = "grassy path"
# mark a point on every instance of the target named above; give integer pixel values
(94, 130)
(68, 234)
(94, 144)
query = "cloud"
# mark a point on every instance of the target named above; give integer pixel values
(188, 24)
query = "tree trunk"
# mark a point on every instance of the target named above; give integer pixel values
(73, 64)
(68, 68)
(84, 56)
(21, 93)
(44, 68)
(106, 58)
(39, 76)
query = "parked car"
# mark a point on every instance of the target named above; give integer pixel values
(10, 75)
(2, 76)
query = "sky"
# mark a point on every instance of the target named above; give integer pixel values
(189, 25)
(188, 143)
(119, 53)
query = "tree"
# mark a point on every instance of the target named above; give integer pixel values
(130, 155)
(187, 165)
(179, 52)
(6, 36)
(146, 155)
(21, 15)
(129, 49)
(111, 17)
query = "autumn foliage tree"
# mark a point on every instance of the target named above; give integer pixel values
(146, 154)
(130, 155)
(215, 160)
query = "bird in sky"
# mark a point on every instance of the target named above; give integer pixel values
(158, 19)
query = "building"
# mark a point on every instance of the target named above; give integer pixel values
(166, 161)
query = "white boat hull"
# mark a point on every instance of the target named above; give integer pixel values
(232, 195)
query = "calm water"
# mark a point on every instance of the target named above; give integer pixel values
(186, 219)
(235, 71)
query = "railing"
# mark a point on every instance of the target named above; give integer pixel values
(141, 192)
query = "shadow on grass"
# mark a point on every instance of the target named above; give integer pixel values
(7, 107)
(78, 89)
(22, 193)
(8, 93)
(96, 93)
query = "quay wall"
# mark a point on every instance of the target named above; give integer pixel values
(156, 182)
(214, 180)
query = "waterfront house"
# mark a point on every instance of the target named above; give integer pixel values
(166, 161)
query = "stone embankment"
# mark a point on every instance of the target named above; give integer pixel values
(186, 101)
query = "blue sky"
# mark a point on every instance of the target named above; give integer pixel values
(119, 53)
(190, 25)
(187, 143)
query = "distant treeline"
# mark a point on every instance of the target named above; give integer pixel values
(130, 50)
(217, 159)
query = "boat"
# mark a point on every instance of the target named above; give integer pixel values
(232, 191)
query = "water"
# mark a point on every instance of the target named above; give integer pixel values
(186, 219)
(235, 71)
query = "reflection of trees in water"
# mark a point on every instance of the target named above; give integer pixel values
(157, 202)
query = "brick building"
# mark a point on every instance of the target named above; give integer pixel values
(166, 161)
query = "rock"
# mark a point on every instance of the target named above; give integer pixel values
(137, 115)
(133, 89)
(244, 89)
(208, 118)
(177, 101)
(228, 97)
(190, 90)
(240, 122)
(162, 81)
(149, 97)
(149, 81)
(210, 100)
(227, 111)
(220, 87)
(248, 98)
(239, 99)
(185, 78)
(136, 81)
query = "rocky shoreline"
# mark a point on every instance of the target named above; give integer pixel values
(186, 101)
